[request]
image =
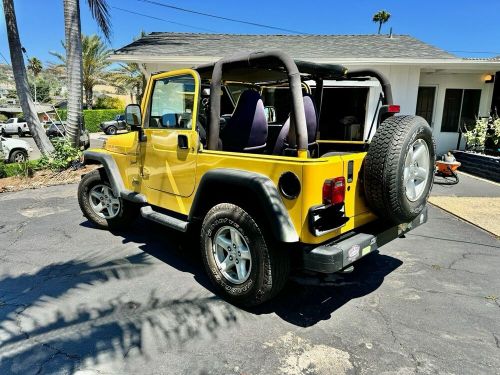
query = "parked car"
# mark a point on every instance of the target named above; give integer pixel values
(15, 125)
(14, 150)
(56, 129)
(112, 127)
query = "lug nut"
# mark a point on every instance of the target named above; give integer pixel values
(230, 258)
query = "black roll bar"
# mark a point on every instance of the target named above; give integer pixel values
(297, 119)
(384, 82)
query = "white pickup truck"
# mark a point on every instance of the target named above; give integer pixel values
(15, 126)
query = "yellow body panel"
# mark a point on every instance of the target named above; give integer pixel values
(169, 177)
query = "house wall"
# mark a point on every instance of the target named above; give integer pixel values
(445, 140)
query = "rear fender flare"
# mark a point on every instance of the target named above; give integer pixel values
(263, 190)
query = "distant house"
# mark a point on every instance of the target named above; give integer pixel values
(447, 90)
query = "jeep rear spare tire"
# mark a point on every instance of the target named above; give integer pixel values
(245, 266)
(398, 171)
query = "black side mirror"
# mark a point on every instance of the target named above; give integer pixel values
(133, 115)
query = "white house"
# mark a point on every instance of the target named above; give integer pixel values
(447, 90)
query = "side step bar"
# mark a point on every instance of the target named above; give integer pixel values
(147, 212)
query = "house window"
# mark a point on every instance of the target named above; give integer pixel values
(425, 103)
(461, 108)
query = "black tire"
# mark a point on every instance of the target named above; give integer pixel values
(270, 265)
(18, 156)
(128, 211)
(111, 130)
(384, 167)
(4, 133)
(20, 133)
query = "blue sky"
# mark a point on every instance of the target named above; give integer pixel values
(454, 25)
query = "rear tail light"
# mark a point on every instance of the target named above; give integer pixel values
(393, 108)
(334, 191)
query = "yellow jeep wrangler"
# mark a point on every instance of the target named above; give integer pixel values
(262, 195)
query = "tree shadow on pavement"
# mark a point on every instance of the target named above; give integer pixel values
(37, 336)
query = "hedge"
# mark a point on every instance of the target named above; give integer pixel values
(93, 117)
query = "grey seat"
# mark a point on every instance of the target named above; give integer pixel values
(246, 130)
(312, 127)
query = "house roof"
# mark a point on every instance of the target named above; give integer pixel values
(298, 46)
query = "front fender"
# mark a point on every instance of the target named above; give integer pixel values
(113, 173)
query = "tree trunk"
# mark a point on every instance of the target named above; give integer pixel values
(73, 69)
(21, 78)
(379, 26)
(89, 97)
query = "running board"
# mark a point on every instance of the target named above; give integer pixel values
(147, 212)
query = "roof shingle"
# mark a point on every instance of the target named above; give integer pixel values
(298, 46)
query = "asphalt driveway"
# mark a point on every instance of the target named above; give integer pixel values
(74, 299)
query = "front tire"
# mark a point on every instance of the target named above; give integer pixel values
(246, 267)
(18, 156)
(99, 204)
(111, 130)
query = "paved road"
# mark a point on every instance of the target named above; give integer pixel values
(74, 299)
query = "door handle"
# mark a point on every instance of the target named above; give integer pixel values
(182, 141)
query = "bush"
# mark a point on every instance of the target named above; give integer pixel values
(3, 118)
(109, 102)
(63, 157)
(93, 117)
(25, 169)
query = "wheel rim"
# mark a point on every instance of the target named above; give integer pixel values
(416, 170)
(232, 255)
(103, 202)
(19, 157)
(112, 131)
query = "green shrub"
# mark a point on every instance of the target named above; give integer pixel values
(25, 169)
(93, 117)
(3, 118)
(63, 157)
(109, 102)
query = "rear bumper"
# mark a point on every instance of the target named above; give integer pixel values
(341, 253)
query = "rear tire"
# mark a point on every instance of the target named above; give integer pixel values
(399, 168)
(118, 215)
(228, 235)
(20, 132)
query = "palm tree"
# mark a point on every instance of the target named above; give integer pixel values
(128, 78)
(21, 79)
(95, 55)
(381, 17)
(35, 65)
(74, 63)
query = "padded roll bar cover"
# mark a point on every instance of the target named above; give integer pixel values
(298, 118)
(263, 190)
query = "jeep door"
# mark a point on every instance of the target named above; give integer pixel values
(169, 162)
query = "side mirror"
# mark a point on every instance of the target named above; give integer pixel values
(133, 115)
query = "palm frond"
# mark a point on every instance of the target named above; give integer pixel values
(100, 12)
